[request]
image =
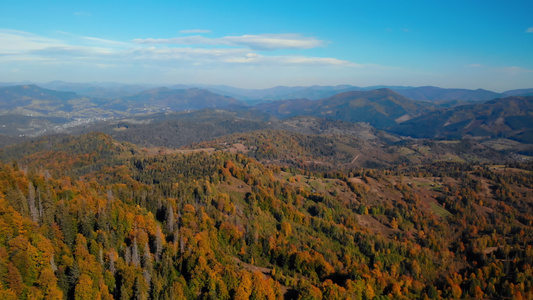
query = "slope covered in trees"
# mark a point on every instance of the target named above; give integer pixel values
(507, 117)
(338, 150)
(91, 218)
(380, 108)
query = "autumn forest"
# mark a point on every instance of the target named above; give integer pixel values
(88, 217)
(266, 150)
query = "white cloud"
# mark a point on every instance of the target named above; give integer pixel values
(271, 41)
(529, 30)
(189, 40)
(72, 51)
(103, 59)
(26, 46)
(231, 56)
(107, 42)
(255, 42)
(184, 54)
(23, 45)
(256, 59)
(195, 31)
(14, 41)
(70, 38)
(303, 60)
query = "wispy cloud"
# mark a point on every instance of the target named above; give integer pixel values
(515, 70)
(70, 38)
(24, 46)
(529, 30)
(271, 41)
(232, 56)
(317, 61)
(498, 71)
(185, 54)
(27, 46)
(106, 42)
(198, 57)
(15, 41)
(195, 31)
(254, 42)
(72, 51)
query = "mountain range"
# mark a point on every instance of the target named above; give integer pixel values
(252, 96)
(157, 114)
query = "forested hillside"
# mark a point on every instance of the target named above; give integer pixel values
(380, 108)
(510, 117)
(368, 149)
(91, 218)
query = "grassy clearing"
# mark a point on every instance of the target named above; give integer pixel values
(404, 151)
(439, 210)
(448, 142)
(503, 168)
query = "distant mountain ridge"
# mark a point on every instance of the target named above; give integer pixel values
(520, 92)
(46, 101)
(100, 90)
(431, 93)
(380, 108)
(15, 95)
(34, 100)
(510, 117)
(423, 93)
(30, 110)
(253, 96)
(182, 99)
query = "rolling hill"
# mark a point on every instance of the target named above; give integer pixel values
(380, 108)
(32, 96)
(510, 117)
(108, 90)
(181, 129)
(519, 92)
(29, 110)
(182, 99)
(32, 100)
(277, 93)
(431, 93)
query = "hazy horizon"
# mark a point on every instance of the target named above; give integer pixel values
(157, 85)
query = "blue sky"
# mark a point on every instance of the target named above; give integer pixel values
(258, 44)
